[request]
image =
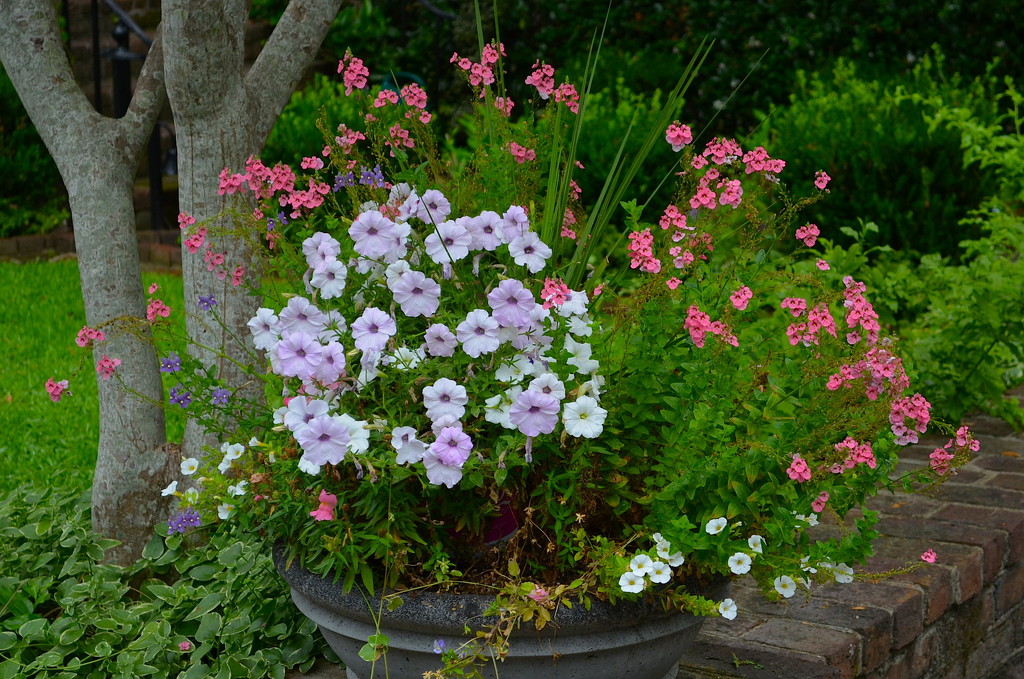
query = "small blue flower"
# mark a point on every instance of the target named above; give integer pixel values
(180, 396)
(439, 646)
(207, 303)
(171, 364)
(182, 521)
(220, 396)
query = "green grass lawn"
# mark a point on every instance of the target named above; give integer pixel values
(41, 441)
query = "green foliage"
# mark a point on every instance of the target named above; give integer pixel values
(64, 614)
(40, 316)
(890, 164)
(31, 199)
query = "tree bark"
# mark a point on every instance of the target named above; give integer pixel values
(222, 116)
(97, 158)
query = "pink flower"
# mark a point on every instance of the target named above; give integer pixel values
(534, 412)
(325, 512)
(555, 292)
(56, 389)
(185, 220)
(822, 264)
(796, 306)
(741, 298)
(521, 153)
(543, 78)
(819, 504)
(153, 288)
(354, 72)
(539, 594)
(678, 136)
(798, 470)
(106, 365)
(929, 556)
(156, 308)
(808, 234)
(185, 646)
(87, 336)
(673, 283)
(821, 179)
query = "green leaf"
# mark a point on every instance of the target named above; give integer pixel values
(10, 669)
(154, 548)
(204, 572)
(208, 626)
(394, 603)
(231, 554)
(71, 635)
(32, 629)
(7, 640)
(207, 604)
(197, 671)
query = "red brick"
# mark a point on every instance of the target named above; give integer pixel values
(936, 582)
(905, 603)
(734, 658)
(1008, 520)
(1009, 591)
(1007, 480)
(991, 542)
(840, 649)
(1007, 455)
(982, 496)
(903, 505)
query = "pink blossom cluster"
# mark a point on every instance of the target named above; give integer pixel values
(106, 366)
(856, 453)
(312, 163)
(819, 318)
(678, 136)
(808, 234)
(265, 181)
(672, 218)
(156, 308)
(504, 104)
(543, 78)
(185, 220)
(399, 138)
(914, 408)
(798, 469)
(307, 199)
(354, 73)
(568, 220)
(880, 366)
(859, 312)
(56, 389)
(958, 448)
(796, 306)
(699, 324)
(818, 505)
(415, 96)
(741, 298)
(731, 191)
(86, 336)
(720, 152)
(194, 241)
(521, 153)
(554, 293)
(347, 138)
(641, 252)
(821, 179)
(480, 73)
(230, 183)
(758, 160)
(385, 97)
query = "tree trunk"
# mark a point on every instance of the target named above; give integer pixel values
(97, 158)
(222, 116)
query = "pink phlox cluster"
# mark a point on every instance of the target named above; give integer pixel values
(821, 179)
(399, 138)
(185, 220)
(384, 98)
(678, 136)
(567, 94)
(856, 453)
(641, 252)
(156, 308)
(818, 505)
(504, 104)
(673, 283)
(521, 153)
(237, 276)
(808, 234)
(859, 312)
(479, 73)
(312, 163)
(543, 78)
(732, 192)
(681, 258)
(672, 218)
(230, 183)
(741, 298)
(555, 292)
(962, 445)
(574, 190)
(86, 336)
(354, 72)
(308, 199)
(699, 324)
(704, 197)
(880, 367)
(758, 160)
(56, 389)
(914, 408)
(568, 220)
(822, 264)
(194, 241)
(347, 138)
(798, 470)
(492, 52)
(416, 97)
(796, 306)
(722, 151)
(106, 366)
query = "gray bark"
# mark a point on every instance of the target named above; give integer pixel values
(222, 116)
(97, 158)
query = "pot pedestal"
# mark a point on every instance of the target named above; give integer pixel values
(630, 639)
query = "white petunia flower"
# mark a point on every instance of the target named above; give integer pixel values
(727, 609)
(785, 586)
(584, 418)
(641, 564)
(843, 573)
(232, 451)
(716, 526)
(308, 466)
(170, 489)
(189, 466)
(660, 572)
(239, 488)
(580, 358)
(631, 582)
(756, 543)
(739, 563)
(225, 511)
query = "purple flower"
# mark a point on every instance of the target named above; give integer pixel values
(433, 207)
(439, 646)
(372, 330)
(343, 180)
(449, 242)
(515, 223)
(301, 316)
(333, 364)
(440, 341)
(530, 251)
(445, 397)
(373, 234)
(207, 303)
(171, 364)
(319, 249)
(324, 440)
(374, 177)
(417, 294)
(478, 333)
(445, 457)
(182, 521)
(180, 397)
(534, 412)
(512, 303)
(298, 355)
(487, 230)
(220, 396)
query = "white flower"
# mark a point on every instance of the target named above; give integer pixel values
(641, 564)
(756, 543)
(232, 451)
(189, 466)
(239, 488)
(660, 572)
(224, 465)
(811, 520)
(253, 442)
(674, 560)
(843, 573)
(576, 305)
(584, 417)
(785, 586)
(358, 433)
(308, 466)
(530, 251)
(265, 327)
(581, 356)
(405, 358)
(727, 609)
(192, 494)
(631, 582)
(739, 563)
(224, 511)
(410, 449)
(716, 526)
(548, 383)
(580, 326)
(806, 567)
(170, 490)
(514, 369)
(330, 278)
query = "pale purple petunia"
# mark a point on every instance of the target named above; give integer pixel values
(534, 413)
(298, 355)
(515, 222)
(530, 251)
(478, 333)
(440, 341)
(265, 327)
(433, 207)
(332, 367)
(324, 440)
(445, 457)
(301, 410)
(488, 231)
(512, 303)
(448, 242)
(319, 249)
(416, 294)
(372, 330)
(409, 448)
(329, 279)
(373, 234)
(445, 397)
(301, 316)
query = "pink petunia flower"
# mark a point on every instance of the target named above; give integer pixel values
(325, 512)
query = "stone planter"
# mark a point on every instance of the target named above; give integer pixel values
(626, 640)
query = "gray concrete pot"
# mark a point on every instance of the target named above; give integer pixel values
(631, 639)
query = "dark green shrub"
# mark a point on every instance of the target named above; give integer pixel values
(32, 196)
